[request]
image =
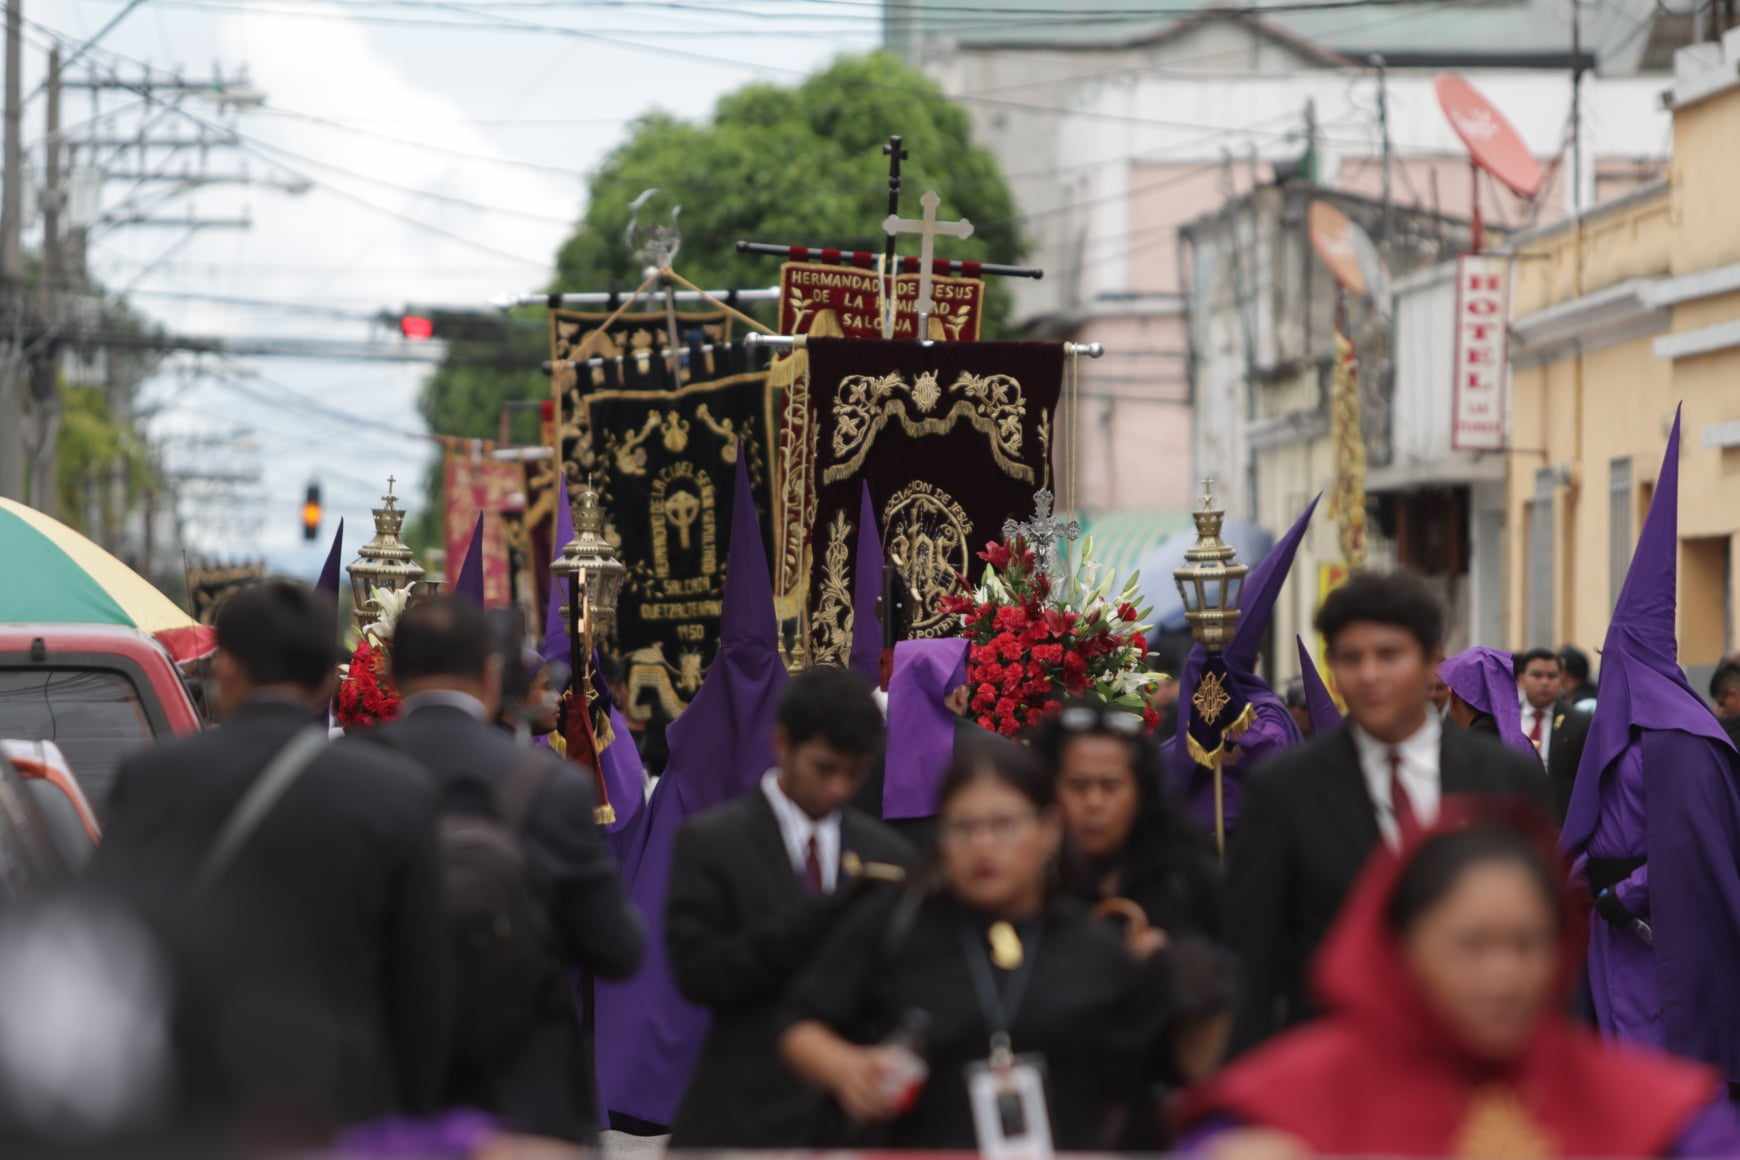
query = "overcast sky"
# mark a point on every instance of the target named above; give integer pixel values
(343, 79)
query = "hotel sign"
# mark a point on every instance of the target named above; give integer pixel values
(1481, 376)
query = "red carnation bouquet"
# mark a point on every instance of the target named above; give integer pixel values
(1036, 643)
(366, 695)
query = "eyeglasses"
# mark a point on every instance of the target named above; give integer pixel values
(1000, 828)
(1087, 719)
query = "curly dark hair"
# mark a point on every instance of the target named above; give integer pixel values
(1167, 866)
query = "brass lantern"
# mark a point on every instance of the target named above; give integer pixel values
(384, 562)
(1211, 580)
(590, 555)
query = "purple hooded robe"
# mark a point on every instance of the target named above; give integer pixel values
(649, 1036)
(1486, 679)
(470, 582)
(1271, 727)
(328, 581)
(866, 593)
(921, 729)
(1657, 801)
(1319, 705)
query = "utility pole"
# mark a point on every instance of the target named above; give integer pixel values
(45, 396)
(1577, 108)
(1383, 112)
(12, 202)
(12, 305)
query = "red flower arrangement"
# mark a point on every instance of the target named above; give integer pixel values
(366, 696)
(1031, 650)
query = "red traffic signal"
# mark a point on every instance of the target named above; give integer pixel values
(416, 327)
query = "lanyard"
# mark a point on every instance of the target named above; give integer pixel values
(1000, 1008)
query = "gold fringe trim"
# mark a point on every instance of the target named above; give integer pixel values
(896, 408)
(1210, 759)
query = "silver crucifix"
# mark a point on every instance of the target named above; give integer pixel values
(927, 228)
(1043, 531)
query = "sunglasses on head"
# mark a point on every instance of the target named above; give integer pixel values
(1087, 719)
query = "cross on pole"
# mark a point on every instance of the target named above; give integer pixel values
(927, 228)
(1043, 531)
(896, 153)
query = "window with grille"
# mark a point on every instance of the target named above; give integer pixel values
(1619, 533)
(1540, 626)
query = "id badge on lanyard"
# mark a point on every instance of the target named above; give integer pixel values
(1006, 1091)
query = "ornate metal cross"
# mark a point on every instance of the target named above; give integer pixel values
(927, 228)
(1043, 531)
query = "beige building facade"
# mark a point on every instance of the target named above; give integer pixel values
(1617, 318)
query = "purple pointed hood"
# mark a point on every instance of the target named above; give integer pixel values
(1642, 686)
(556, 645)
(648, 1036)
(470, 582)
(1319, 705)
(328, 581)
(866, 589)
(1237, 663)
(921, 729)
(1486, 679)
(624, 774)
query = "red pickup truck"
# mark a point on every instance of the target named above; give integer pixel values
(98, 692)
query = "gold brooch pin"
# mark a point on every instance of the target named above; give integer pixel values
(1005, 946)
(856, 867)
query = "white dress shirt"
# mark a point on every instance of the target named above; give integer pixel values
(1529, 712)
(797, 828)
(1419, 774)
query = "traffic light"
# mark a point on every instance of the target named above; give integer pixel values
(416, 327)
(311, 514)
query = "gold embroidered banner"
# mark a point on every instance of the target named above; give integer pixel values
(836, 301)
(634, 350)
(953, 439)
(479, 484)
(662, 459)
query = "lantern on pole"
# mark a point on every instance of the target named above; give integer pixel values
(385, 562)
(592, 576)
(1210, 583)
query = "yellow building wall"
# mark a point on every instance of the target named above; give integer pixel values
(1706, 173)
(1628, 396)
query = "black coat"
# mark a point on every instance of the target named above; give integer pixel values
(549, 1090)
(321, 952)
(1307, 828)
(1097, 1016)
(1570, 731)
(738, 926)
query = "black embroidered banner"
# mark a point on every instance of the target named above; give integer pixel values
(662, 459)
(953, 439)
(634, 350)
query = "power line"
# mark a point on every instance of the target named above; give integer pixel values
(427, 146)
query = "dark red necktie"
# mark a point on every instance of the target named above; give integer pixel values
(812, 867)
(1407, 822)
(1535, 733)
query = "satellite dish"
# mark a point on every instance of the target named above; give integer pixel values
(1492, 141)
(1350, 255)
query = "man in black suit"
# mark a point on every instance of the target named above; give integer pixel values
(450, 677)
(756, 885)
(319, 947)
(1725, 695)
(1315, 813)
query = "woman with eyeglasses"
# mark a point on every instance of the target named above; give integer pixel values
(993, 963)
(1122, 841)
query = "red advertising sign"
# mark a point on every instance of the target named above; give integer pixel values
(839, 301)
(1481, 375)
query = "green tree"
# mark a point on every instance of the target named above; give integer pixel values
(801, 165)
